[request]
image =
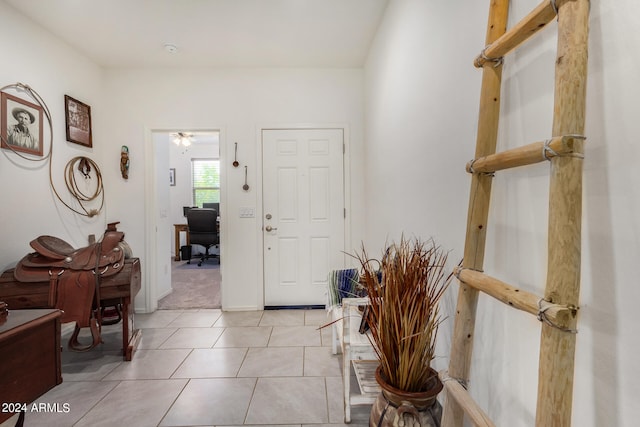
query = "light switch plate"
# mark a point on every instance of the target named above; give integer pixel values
(246, 212)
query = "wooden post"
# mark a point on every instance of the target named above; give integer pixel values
(464, 326)
(557, 347)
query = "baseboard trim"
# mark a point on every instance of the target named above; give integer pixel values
(294, 307)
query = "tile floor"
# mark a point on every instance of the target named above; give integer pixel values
(205, 368)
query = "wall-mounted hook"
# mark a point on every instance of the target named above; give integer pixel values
(235, 159)
(245, 187)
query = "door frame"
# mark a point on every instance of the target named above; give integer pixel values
(150, 266)
(346, 165)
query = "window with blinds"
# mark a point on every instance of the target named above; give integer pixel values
(205, 179)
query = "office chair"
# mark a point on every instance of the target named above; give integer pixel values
(203, 230)
(215, 206)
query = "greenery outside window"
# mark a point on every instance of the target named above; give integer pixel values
(205, 178)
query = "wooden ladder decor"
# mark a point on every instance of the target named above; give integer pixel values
(557, 309)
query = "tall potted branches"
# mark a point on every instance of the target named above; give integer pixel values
(404, 289)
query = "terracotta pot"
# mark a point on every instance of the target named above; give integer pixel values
(399, 408)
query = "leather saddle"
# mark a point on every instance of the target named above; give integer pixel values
(74, 278)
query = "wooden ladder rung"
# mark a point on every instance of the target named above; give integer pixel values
(461, 395)
(560, 316)
(535, 152)
(544, 13)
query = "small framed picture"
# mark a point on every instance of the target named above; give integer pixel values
(78, 118)
(172, 177)
(21, 125)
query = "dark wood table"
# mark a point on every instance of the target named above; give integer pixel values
(30, 358)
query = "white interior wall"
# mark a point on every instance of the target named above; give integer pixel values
(421, 118)
(238, 102)
(52, 69)
(422, 96)
(162, 156)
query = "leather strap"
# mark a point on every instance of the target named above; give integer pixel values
(53, 286)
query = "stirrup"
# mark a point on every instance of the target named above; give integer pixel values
(111, 319)
(74, 344)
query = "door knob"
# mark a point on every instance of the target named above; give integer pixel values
(269, 228)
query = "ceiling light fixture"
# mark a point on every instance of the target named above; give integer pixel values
(182, 138)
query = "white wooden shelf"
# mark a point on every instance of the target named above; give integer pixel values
(357, 352)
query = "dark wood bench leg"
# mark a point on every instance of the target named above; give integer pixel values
(129, 344)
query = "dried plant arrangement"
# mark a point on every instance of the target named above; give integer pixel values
(403, 314)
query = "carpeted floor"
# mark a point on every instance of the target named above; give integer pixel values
(193, 286)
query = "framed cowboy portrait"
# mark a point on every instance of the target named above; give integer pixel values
(22, 125)
(78, 120)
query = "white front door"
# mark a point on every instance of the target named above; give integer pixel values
(303, 213)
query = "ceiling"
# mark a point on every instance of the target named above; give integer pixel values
(212, 33)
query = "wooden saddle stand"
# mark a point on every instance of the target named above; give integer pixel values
(74, 278)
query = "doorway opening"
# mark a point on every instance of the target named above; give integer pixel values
(194, 181)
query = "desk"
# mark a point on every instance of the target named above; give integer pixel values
(178, 228)
(30, 348)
